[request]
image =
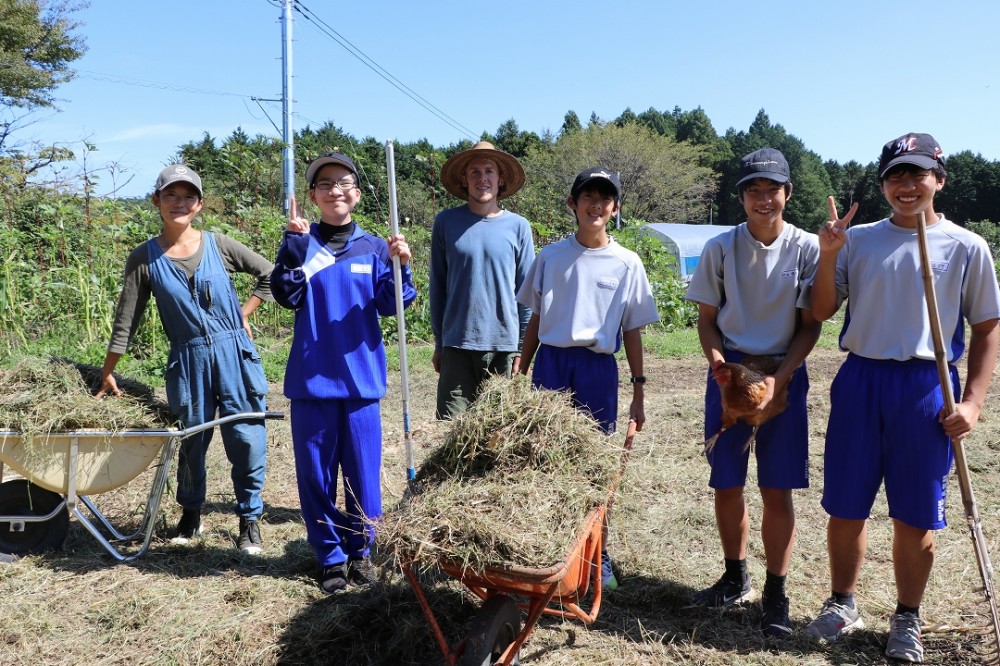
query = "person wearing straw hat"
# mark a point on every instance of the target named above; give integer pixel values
(339, 280)
(886, 419)
(480, 254)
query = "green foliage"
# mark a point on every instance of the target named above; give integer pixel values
(971, 190)
(991, 232)
(676, 312)
(571, 123)
(514, 141)
(62, 251)
(661, 179)
(36, 49)
(677, 343)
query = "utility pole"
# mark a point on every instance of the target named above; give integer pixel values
(287, 134)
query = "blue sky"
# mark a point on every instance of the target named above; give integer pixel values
(845, 77)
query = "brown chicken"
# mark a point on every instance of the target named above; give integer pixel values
(743, 388)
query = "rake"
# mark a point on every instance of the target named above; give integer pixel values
(961, 466)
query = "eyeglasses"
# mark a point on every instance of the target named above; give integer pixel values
(345, 185)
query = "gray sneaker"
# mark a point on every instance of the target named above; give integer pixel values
(249, 540)
(834, 620)
(904, 638)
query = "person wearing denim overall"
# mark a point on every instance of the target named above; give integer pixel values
(213, 364)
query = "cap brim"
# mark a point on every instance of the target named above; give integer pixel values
(321, 162)
(179, 179)
(921, 161)
(770, 175)
(579, 188)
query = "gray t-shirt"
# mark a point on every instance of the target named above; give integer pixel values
(586, 297)
(879, 273)
(136, 289)
(757, 288)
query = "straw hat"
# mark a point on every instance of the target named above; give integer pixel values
(454, 169)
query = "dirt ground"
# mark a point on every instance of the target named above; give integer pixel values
(205, 604)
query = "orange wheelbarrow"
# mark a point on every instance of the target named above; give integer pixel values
(496, 633)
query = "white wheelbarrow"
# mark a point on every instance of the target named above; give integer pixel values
(62, 470)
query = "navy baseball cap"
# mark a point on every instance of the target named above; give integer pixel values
(921, 150)
(178, 173)
(764, 163)
(329, 158)
(596, 173)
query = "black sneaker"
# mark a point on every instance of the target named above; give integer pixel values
(189, 526)
(774, 621)
(361, 572)
(724, 593)
(249, 540)
(333, 578)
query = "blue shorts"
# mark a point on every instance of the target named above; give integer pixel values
(884, 426)
(591, 378)
(782, 444)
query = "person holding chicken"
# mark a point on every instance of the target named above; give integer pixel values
(750, 287)
(886, 418)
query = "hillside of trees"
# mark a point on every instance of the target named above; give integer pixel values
(62, 248)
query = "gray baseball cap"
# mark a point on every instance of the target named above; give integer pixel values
(178, 173)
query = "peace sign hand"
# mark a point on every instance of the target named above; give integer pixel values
(296, 223)
(831, 235)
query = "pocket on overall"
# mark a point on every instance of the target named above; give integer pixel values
(178, 388)
(252, 367)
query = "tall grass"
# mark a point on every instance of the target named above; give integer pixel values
(63, 264)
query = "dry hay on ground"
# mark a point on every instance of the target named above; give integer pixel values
(511, 484)
(43, 395)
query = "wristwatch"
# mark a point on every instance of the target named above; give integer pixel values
(638, 379)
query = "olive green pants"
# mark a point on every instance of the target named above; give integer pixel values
(463, 372)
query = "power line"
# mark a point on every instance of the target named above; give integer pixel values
(127, 81)
(323, 27)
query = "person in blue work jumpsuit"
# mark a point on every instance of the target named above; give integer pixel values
(339, 280)
(213, 364)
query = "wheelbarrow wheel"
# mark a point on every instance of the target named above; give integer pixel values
(23, 498)
(494, 627)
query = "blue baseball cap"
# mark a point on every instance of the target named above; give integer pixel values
(764, 163)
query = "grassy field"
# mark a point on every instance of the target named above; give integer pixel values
(206, 604)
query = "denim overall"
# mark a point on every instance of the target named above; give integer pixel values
(212, 365)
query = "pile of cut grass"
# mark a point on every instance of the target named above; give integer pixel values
(43, 395)
(511, 484)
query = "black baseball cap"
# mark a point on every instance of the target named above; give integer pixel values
(596, 173)
(921, 150)
(764, 163)
(329, 158)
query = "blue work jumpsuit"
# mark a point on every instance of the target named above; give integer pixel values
(213, 364)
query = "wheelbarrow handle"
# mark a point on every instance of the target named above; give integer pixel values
(245, 416)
